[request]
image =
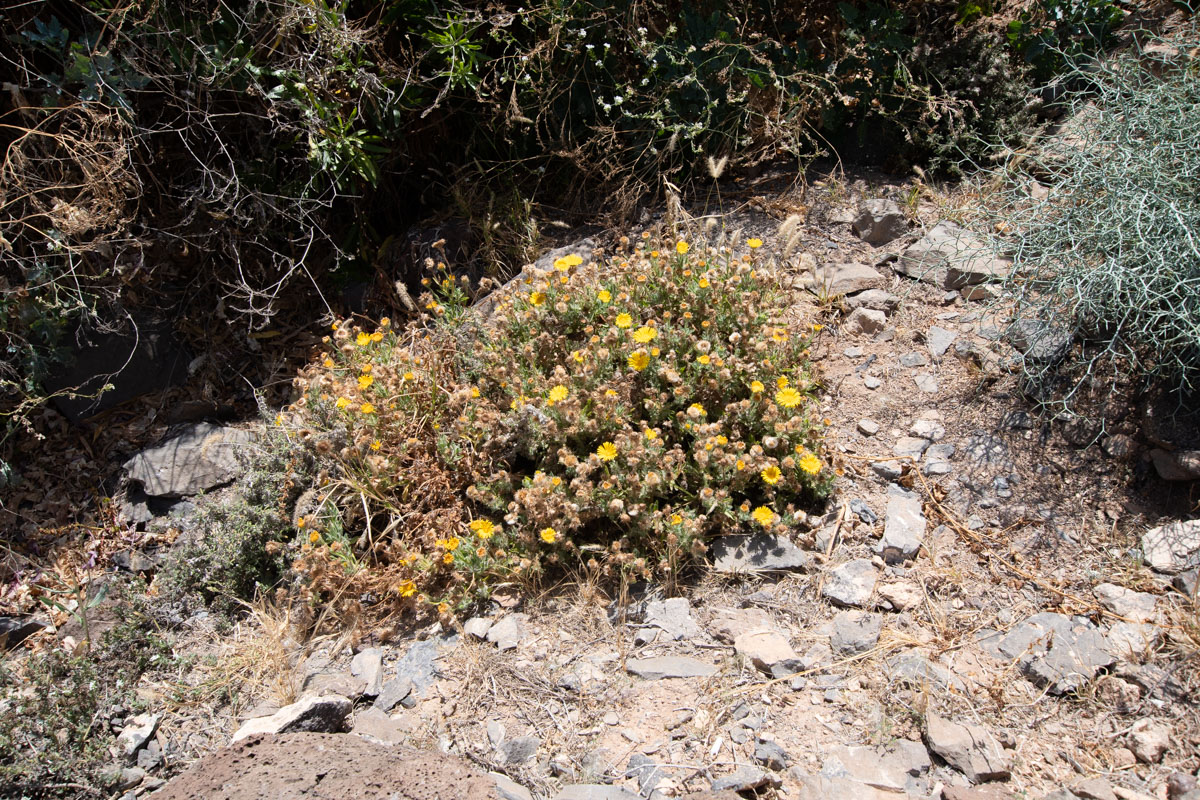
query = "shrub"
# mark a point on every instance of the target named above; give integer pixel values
(1111, 254)
(611, 415)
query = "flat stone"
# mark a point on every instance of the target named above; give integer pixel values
(477, 627)
(1129, 640)
(1094, 789)
(508, 631)
(202, 457)
(926, 383)
(968, 748)
(368, 666)
(889, 767)
(914, 360)
(875, 299)
(948, 247)
(1039, 341)
(761, 551)
(646, 771)
(929, 429)
(853, 352)
(1059, 652)
(419, 665)
(879, 222)
(1135, 606)
(519, 749)
(508, 789)
(136, 733)
(902, 596)
(991, 791)
(728, 623)
(1176, 465)
(871, 382)
(868, 427)
(910, 447)
(903, 527)
(393, 693)
(745, 779)
(1149, 740)
(888, 470)
(768, 650)
(932, 468)
(14, 630)
(939, 452)
(311, 714)
(846, 278)
(660, 667)
(1172, 548)
(376, 724)
(673, 617)
(866, 321)
(823, 787)
(939, 340)
(595, 791)
(771, 756)
(916, 670)
(855, 632)
(863, 511)
(851, 584)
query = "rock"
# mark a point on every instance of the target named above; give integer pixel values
(845, 279)
(863, 511)
(1186, 582)
(14, 630)
(939, 452)
(673, 617)
(822, 787)
(376, 724)
(851, 583)
(874, 299)
(854, 632)
(202, 457)
(1039, 341)
(395, 692)
(926, 383)
(745, 779)
(771, 756)
(853, 352)
(762, 551)
(888, 470)
(879, 222)
(1094, 789)
(890, 767)
(939, 340)
(508, 789)
(910, 447)
(477, 627)
(1149, 740)
(646, 771)
(768, 650)
(988, 792)
(1172, 548)
(419, 665)
(368, 666)
(1119, 446)
(1061, 653)
(653, 669)
(520, 749)
(311, 714)
(595, 791)
(968, 748)
(903, 527)
(1180, 784)
(728, 623)
(1135, 606)
(871, 382)
(136, 733)
(866, 321)
(930, 429)
(150, 757)
(508, 632)
(1176, 465)
(913, 360)
(916, 670)
(948, 247)
(868, 427)
(1130, 639)
(901, 596)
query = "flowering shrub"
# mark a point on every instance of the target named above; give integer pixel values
(612, 414)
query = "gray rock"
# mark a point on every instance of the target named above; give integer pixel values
(902, 596)
(136, 733)
(871, 382)
(1129, 640)
(933, 468)
(846, 278)
(368, 666)
(394, 693)
(150, 757)
(948, 247)
(769, 650)
(202, 457)
(914, 669)
(1149, 740)
(868, 427)
(890, 767)
(863, 511)
(888, 470)
(865, 320)
(822, 787)
(595, 791)
(874, 299)
(926, 383)
(910, 447)
(914, 360)
(939, 452)
(1059, 652)
(1094, 789)
(879, 222)
(14, 630)
(851, 584)
(519, 750)
(762, 551)
(672, 618)
(419, 665)
(745, 779)
(1039, 341)
(939, 340)
(771, 756)
(660, 667)
(646, 771)
(477, 627)
(311, 714)
(928, 428)
(903, 528)
(508, 789)
(968, 748)
(1176, 465)
(1135, 606)
(853, 352)
(855, 632)
(508, 632)
(1187, 582)
(376, 724)
(1119, 446)
(1173, 548)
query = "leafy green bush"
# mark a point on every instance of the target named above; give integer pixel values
(1110, 254)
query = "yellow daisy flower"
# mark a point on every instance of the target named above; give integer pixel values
(638, 360)
(604, 296)
(771, 475)
(754, 244)
(624, 320)
(788, 398)
(704, 283)
(375, 445)
(682, 247)
(448, 557)
(483, 528)
(362, 340)
(558, 394)
(704, 359)
(606, 451)
(365, 381)
(756, 387)
(548, 535)
(763, 516)
(342, 402)
(810, 464)
(651, 434)
(644, 335)
(407, 589)
(537, 298)
(676, 519)
(367, 408)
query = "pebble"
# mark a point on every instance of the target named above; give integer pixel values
(913, 360)
(868, 427)
(926, 383)
(888, 470)
(871, 382)
(851, 584)
(853, 352)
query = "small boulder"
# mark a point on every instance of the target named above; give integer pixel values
(1173, 548)
(509, 631)
(1135, 606)
(851, 584)
(1149, 740)
(312, 714)
(865, 321)
(968, 748)
(879, 222)
(768, 650)
(660, 667)
(855, 632)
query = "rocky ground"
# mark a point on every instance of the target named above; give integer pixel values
(994, 605)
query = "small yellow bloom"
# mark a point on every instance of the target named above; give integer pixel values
(771, 475)
(443, 608)
(366, 368)
(781, 382)
(408, 376)
(681, 247)
(779, 335)
(644, 335)
(558, 394)
(810, 464)
(676, 519)
(548, 535)
(474, 391)
(573, 260)
(577, 356)
(448, 557)
(362, 340)
(606, 451)
(328, 363)
(624, 320)
(741, 465)
(537, 298)
(561, 264)
(342, 402)
(314, 537)
(367, 408)
(377, 336)
(722, 440)
(763, 516)
(605, 296)
(754, 244)
(816, 326)
(483, 528)
(452, 543)
(705, 359)
(610, 392)
(375, 445)
(364, 381)
(654, 351)
(756, 387)
(407, 589)
(696, 410)
(651, 434)
(704, 283)
(279, 419)
(638, 360)
(788, 398)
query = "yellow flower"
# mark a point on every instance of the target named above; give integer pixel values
(483, 528)
(781, 382)
(573, 260)
(364, 381)
(314, 537)
(763, 516)
(704, 283)
(624, 320)
(610, 392)
(474, 391)
(681, 247)
(279, 419)
(644, 335)
(696, 410)
(561, 264)
(407, 589)
(375, 445)
(448, 557)
(651, 434)
(451, 544)
(676, 519)
(817, 327)
(810, 464)
(342, 402)
(558, 394)
(577, 356)
(537, 298)
(756, 387)
(704, 359)
(367, 408)
(367, 368)
(328, 363)
(443, 608)
(362, 340)
(408, 376)
(605, 296)
(779, 335)
(741, 465)
(654, 351)
(638, 360)
(606, 451)
(771, 475)
(788, 398)
(754, 244)
(376, 337)
(548, 535)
